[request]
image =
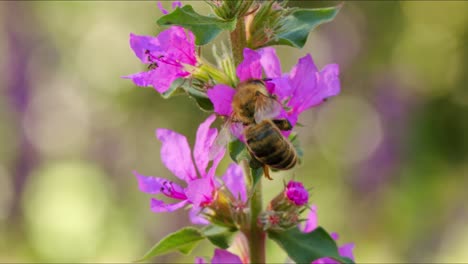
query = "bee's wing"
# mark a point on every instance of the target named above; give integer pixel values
(222, 139)
(266, 107)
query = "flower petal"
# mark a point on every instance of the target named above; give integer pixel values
(311, 222)
(281, 87)
(176, 4)
(200, 260)
(304, 80)
(147, 184)
(234, 181)
(346, 250)
(218, 156)
(224, 256)
(178, 45)
(328, 81)
(175, 154)
(221, 96)
(141, 44)
(206, 137)
(196, 218)
(200, 192)
(325, 260)
(160, 78)
(250, 68)
(163, 10)
(159, 206)
(270, 62)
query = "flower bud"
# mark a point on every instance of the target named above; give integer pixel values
(283, 211)
(296, 193)
(228, 10)
(226, 210)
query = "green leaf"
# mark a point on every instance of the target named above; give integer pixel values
(218, 236)
(299, 23)
(200, 97)
(307, 247)
(238, 151)
(256, 175)
(177, 88)
(205, 28)
(183, 241)
(294, 139)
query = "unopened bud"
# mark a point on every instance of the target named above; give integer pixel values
(283, 211)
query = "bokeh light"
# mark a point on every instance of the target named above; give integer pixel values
(65, 205)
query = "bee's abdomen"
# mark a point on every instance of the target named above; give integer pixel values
(269, 146)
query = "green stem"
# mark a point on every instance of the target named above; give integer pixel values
(254, 233)
(238, 41)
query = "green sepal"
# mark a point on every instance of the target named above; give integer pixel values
(200, 98)
(294, 139)
(256, 175)
(205, 28)
(238, 151)
(177, 88)
(183, 240)
(218, 236)
(189, 86)
(297, 25)
(307, 247)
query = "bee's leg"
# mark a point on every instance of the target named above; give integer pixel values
(282, 124)
(266, 172)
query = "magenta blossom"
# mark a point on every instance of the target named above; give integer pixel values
(304, 87)
(177, 157)
(175, 4)
(221, 256)
(169, 56)
(345, 250)
(296, 193)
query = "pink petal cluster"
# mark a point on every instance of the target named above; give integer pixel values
(300, 89)
(221, 256)
(296, 193)
(201, 184)
(177, 157)
(175, 4)
(166, 56)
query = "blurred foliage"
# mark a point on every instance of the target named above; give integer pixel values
(387, 158)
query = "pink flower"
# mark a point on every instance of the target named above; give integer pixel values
(304, 87)
(221, 256)
(177, 157)
(296, 193)
(167, 55)
(175, 4)
(345, 250)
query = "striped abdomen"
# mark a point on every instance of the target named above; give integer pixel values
(269, 146)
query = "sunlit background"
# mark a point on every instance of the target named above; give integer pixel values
(387, 158)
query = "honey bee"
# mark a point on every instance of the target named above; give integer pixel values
(256, 110)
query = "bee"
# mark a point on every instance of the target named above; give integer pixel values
(256, 110)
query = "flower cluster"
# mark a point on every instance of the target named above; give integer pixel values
(230, 201)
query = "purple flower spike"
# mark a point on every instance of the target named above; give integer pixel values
(166, 55)
(198, 176)
(296, 193)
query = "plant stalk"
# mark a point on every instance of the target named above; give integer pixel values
(257, 236)
(238, 41)
(254, 233)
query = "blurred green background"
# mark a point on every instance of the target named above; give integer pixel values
(387, 158)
